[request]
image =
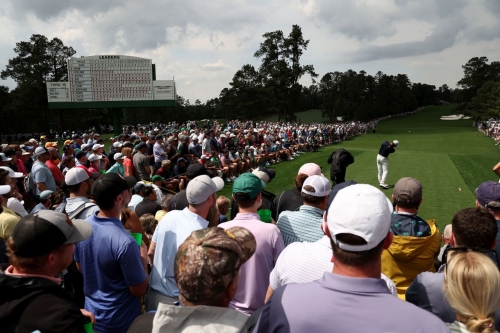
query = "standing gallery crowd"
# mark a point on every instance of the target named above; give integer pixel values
(138, 240)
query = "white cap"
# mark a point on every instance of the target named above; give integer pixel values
(396, 143)
(117, 144)
(310, 169)
(97, 146)
(94, 157)
(76, 176)
(321, 185)
(40, 151)
(12, 173)
(84, 146)
(202, 187)
(361, 210)
(4, 189)
(118, 156)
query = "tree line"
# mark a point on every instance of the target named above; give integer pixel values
(272, 88)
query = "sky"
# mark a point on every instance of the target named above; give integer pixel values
(203, 43)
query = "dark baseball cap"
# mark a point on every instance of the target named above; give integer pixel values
(110, 185)
(38, 234)
(196, 169)
(266, 175)
(488, 194)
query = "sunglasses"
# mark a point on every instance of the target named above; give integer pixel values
(490, 253)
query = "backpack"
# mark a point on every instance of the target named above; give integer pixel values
(30, 185)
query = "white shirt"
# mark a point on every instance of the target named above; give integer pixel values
(302, 262)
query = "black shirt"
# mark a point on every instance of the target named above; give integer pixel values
(287, 200)
(147, 206)
(386, 149)
(179, 202)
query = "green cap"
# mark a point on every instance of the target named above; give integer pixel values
(157, 177)
(248, 183)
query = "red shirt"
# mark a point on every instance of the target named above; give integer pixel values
(56, 173)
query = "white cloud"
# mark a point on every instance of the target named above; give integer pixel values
(202, 44)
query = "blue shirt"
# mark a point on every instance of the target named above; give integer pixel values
(111, 262)
(42, 174)
(303, 225)
(172, 231)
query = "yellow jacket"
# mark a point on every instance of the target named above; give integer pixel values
(409, 256)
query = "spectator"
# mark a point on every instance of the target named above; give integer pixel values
(165, 203)
(118, 167)
(416, 242)
(195, 148)
(67, 165)
(160, 154)
(42, 176)
(93, 161)
(8, 218)
(472, 228)
(340, 160)
(54, 169)
(254, 276)
(304, 225)
(78, 182)
(266, 175)
(137, 196)
(165, 170)
(148, 205)
(179, 201)
(4, 160)
(292, 199)
(141, 163)
(358, 224)
(13, 201)
(45, 202)
(180, 168)
(127, 162)
(41, 246)
(223, 207)
(150, 152)
(149, 224)
(472, 287)
(113, 266)
(206, 271)
(446, 241)
(488, 196)
(132, 223)
(172, 231)
(302, 262)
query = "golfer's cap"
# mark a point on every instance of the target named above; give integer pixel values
(396, 143)
(361, 210)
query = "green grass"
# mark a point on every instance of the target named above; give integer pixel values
(450, 158)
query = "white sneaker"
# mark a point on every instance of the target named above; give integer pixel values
(273, 161)
(291, 158)
(268, 165)
(383, 185)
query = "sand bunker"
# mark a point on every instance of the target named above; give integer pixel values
(454, 117)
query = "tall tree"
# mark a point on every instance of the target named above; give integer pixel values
(281, 68)
(477, 72)
(38, 61)
(486, 103)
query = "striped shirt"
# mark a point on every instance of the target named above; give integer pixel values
(303, 225)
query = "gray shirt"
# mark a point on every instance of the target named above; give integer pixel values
(140, 163)
(343, 304)
(426, 292)
(72, 204)
(42, 174)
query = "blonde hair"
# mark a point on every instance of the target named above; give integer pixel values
(472, 287)
(127, 152)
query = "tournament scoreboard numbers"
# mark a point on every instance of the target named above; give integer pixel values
(58, 91)
(110, 78)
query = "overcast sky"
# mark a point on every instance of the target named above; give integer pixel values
(203, 43)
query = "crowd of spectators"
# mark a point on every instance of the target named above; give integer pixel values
(138, 240)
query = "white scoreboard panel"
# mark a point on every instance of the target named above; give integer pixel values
(110, 78)
(58, 92)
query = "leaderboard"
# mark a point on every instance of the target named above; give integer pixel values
(110, 78)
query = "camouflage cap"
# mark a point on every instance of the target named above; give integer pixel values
(209, 259)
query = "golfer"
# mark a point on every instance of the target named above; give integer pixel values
(383, 161)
